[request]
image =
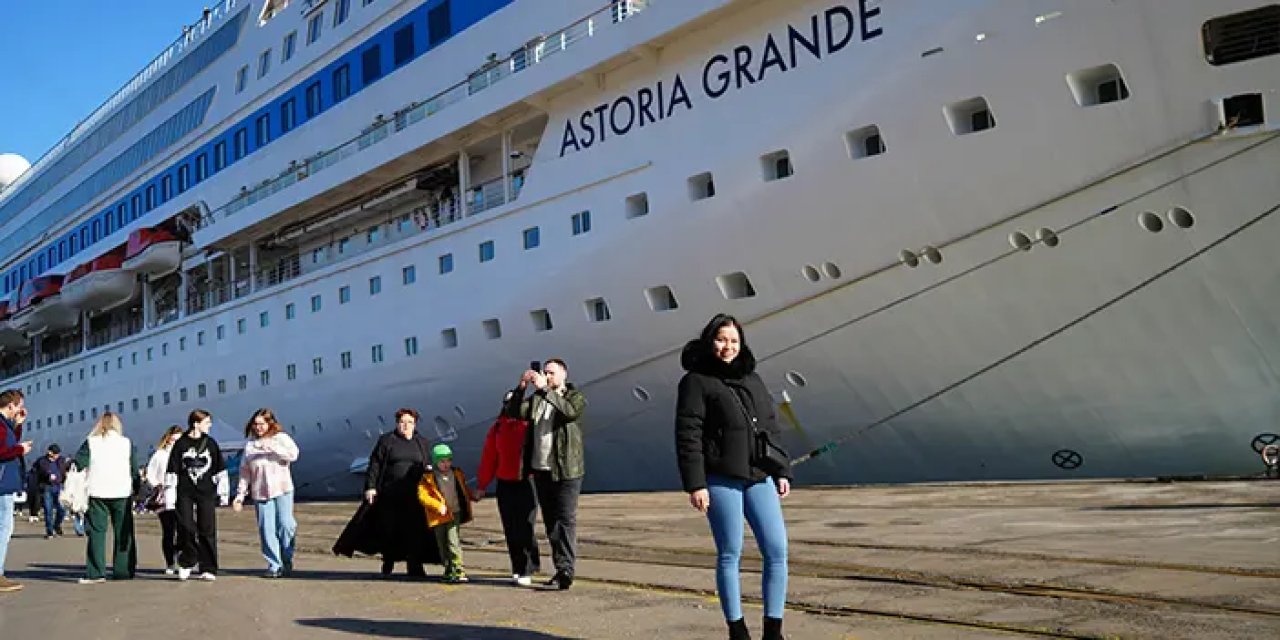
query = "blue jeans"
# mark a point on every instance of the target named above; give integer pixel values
(6, 526)
(54, 512)
(731, 499)
(277, 530)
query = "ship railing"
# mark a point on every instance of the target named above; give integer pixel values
(117, 330)
(492, 72)
(19, 367)
(190, 35)
(68, 346)
(204, 297)
(285, 270)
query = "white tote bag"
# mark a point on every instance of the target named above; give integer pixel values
(75, 492)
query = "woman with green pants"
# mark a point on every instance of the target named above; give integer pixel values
(108, 457)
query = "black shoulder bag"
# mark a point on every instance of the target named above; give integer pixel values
(766, 455)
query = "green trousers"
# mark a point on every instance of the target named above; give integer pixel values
(450, 546)
(116, 514)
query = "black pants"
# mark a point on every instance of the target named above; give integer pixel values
(519, 511)
(198, 524)
(169, 538)
(559, 502)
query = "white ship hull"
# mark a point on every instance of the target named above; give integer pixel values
(1103, 349)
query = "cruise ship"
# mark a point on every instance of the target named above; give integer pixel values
(985, 240)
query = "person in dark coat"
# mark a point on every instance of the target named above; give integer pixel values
(396, 465)
(721, 404)
(33, 493)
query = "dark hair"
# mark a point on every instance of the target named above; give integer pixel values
(196, 416)
(555, 361)
(400, 413)
(10, 397)
(720, 321)
(273, 427)
(168, 433)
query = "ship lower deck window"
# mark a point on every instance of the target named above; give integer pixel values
(541, 320)
(317, 366)
(403, 45)
(531, 238)
(701, 187)
(776, 165)
(486, 251)
(1242, 36)
(291, 371)
(449, 338)
(315, 303)
(264, 377)
(290, 311)
(264, 319)
(445, 263)
(661, 298)
(242, 382)
(344, 295)
(581, 222)
(492, 328)
(409, 275)
(735, 286)
(344, 359)
(241, 326)
(201, 390)
(375, 354)
(969, 116)
(1244, 110)
(375, 285)
(411, 346)
(371, 64)
(637, 205)
(598, 310)
(1098, 85)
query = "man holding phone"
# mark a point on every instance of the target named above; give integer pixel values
(554, 453)
(13, 413)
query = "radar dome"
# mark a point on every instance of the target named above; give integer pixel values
(12, 166)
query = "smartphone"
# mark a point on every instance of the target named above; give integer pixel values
(535, 366)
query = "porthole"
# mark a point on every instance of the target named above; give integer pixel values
(1019, 240)
(1047, 237)
(830, 270)
(795, 379)
(932, 254)
(639, 393)
(810, 273)
(1181, 218)
(909, 258)
(1150, 221)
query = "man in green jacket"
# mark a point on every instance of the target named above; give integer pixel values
(553, 452)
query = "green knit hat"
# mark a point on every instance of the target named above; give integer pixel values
(440, 452)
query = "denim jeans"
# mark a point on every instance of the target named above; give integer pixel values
(6, 526)
(731, 499)
(54, 512)
(277, 530)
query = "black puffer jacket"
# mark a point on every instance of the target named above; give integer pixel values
(713, 432)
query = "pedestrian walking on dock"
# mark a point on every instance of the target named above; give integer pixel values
(446, 502)
(51, 471)
(396, 465)
(725, 428)
(503, 458)
(157, 467)
(554, 452)
(191, 486)
(13, 413)
(266, 479)
(33, 493)
(108, 458)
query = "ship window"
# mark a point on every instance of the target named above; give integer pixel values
(581, 222)
(150, 195)
(240, 143)
(371, 64)
(264, 63)
(291, 371)
(411, 346)
(242, 78)
(164, 348)
(241, 326)
(439, 23)
(221, 331)
(165, 397)
(492, 328)
(701, 187)
(969, 116)
(220, 156)
(376, 354)
(317, 366)
(166, 188)
(182, 394)
(341, 10)
(314, 27)
(341, 83)
(290, 45)
(409, 275)
(182, 343)
(1242, 36)
(486, 251)
(531, 238)
(199, 338)
(151, 402)
(541, 320)
(202, 167)
(184, 178)
(661, 298)
(74, 241)
(638, 205)
(242, 382)
(264, 377)
(776, 165)
(315, 303)
(118, 221)
(290, 312)
(135, 207)
(313, 99)
(598, 310)
(403, 49)
(449, 338)
(264, 319)
(1097, 85)
(1244, 110)
(201, 390)
(446, 263)
(735, 286)
(288, 111)
(371, 236)
(345, 359)
(262, 130)
(375, 285)
(344, 295)
(342, 245)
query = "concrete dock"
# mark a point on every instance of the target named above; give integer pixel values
(1075, 560)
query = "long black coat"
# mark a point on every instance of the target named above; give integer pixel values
(713, 430)
(362, 535)
(395, 526)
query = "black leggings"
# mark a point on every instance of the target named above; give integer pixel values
(169, 538)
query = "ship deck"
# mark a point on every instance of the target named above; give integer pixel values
(1058, 560)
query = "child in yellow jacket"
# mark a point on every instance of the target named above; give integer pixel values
(444, 495)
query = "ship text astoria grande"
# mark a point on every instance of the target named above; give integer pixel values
(998, 239)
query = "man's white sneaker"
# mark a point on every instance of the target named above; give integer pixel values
(208, 577)
(184, 573)
(168, 571)
(524, 581)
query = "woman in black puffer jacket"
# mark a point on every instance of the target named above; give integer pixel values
(720, 400)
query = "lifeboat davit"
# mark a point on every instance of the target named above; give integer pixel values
(153, 252)
(101, 284)
(11, 339)
(41, 308)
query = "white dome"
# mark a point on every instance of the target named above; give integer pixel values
(12, 166)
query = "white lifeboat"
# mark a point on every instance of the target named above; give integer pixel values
(153, 251)
(101, 284)
(11, 339)
(41, 308)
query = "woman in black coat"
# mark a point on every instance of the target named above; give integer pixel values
(720, 406)
(396, 465)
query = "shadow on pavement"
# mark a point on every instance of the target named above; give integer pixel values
(427, 630)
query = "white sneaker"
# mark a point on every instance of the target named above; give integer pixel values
(170, 570)
(91, 580)
(184, 573)
(208, 577)
(524, 581)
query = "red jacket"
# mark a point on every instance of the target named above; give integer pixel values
(503, 452)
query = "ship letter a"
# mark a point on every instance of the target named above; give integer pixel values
(570, 139)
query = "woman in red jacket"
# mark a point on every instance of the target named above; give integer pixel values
(503, 457)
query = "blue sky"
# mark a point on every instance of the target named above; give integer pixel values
(63, 58)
